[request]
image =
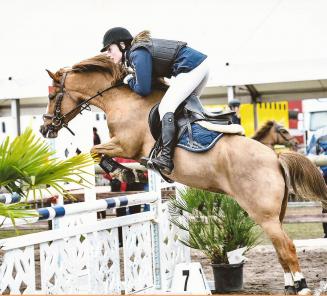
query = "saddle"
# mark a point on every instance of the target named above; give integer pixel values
(190, 111)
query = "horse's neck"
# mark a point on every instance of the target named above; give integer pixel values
(127, 118)
(269, 140)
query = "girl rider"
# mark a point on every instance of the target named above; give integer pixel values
(152, 58)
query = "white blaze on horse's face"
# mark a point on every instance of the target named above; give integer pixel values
(114, 53)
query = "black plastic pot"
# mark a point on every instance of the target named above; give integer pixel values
(228, 277)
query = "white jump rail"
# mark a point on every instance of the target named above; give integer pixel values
(318, 160)
(85, 258)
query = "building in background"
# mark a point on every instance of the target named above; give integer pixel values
(277, 111)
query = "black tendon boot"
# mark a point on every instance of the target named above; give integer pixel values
(164, 161)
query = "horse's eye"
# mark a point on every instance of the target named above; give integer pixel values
(52, 92)
(52, 96)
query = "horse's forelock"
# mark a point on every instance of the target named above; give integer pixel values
(100, 63)
(264, 130)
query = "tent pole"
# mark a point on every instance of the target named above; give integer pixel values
(255, 98)
(15, 114)
(230, 93)
(255, 114)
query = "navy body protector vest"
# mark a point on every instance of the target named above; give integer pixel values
(163, 54)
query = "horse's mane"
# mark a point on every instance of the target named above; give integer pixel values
(263, 131)
(103, 63)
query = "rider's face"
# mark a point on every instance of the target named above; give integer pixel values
(114, 53)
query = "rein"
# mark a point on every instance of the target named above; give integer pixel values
(58, 118)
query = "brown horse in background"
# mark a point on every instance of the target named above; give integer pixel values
(272, 133)
(250, 172)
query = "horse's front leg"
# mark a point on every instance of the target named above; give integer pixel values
(111, 149)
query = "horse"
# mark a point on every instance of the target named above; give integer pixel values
(248, 171)
(272, 133)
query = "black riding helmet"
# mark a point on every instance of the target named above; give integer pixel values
(116, 35)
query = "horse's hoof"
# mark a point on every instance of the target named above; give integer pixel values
(302, 288)
(305, 291)
(290, 290)
(93, 151)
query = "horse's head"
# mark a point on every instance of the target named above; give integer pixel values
(272, 133)
(284, 137)
(62, 105)
(73, 89)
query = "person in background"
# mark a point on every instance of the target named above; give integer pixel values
(234, 105)
(96, 137)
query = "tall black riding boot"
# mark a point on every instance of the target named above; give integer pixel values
(164, 161)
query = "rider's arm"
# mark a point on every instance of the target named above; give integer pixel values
(142, 65)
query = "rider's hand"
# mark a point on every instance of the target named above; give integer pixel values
(128, 78)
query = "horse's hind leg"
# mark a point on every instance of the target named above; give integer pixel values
(288, 278)
(287, 256)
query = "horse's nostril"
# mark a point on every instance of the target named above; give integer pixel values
(52, 134)
(43, 130)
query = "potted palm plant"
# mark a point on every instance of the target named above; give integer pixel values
(216, 225)
(28, 164)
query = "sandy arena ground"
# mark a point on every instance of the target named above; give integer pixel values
(263, 273)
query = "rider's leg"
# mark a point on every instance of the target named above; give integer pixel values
(198, 90)
(181, 87)
(164, 161)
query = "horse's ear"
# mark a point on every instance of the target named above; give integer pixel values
(53, 75)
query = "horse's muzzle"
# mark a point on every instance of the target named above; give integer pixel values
(294, 144)
(46, 133)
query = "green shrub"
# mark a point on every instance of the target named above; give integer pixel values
(215, 223)
(27, 164)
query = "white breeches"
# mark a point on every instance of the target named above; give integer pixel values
(182, 86)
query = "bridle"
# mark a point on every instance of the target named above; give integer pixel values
(58, 118)
(279, 130)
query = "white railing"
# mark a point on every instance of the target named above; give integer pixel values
(83, 255)
(318, 160)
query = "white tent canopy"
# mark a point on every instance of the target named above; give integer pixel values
(278, 47)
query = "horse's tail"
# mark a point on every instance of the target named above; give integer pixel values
(303, 176)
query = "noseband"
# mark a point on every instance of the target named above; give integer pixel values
(279, 130)
(58, 118)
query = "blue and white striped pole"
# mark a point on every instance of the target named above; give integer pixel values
(10, 198)
(49, 213)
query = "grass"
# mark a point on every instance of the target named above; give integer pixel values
(296, 231)
(13, 233)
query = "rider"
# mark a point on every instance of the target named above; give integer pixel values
(152, 58)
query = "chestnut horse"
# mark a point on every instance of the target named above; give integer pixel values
(243, 168)
(272, 133)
